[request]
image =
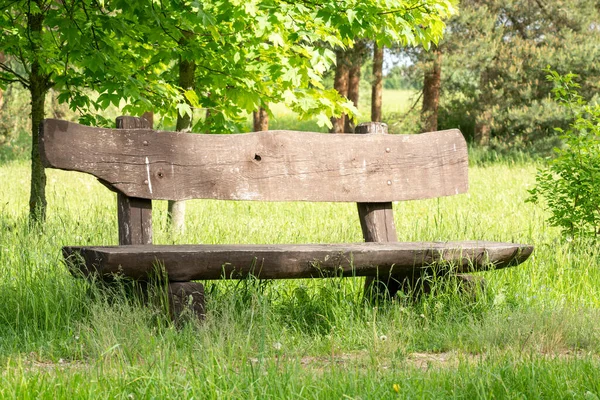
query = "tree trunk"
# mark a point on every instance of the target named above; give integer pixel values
(353, 85)
(2, 60)
(187, 70)
(176, 209)
(483, 130)
(340, 83)
(377, 85)
(38, 88)
(431, 93)
(261, 120)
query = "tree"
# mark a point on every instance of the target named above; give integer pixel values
(403, 23)
(261, 120)
(247, 55)
(356, 56)
(186, 78)
(36, 42)
(377, 83)
(71, 47)
(496, 53)
(432, 81)
(340, 85)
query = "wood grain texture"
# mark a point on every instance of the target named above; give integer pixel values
(134, 215)
(134, 219)
(376, 219)
(190, 262)
(377, 223)
(270, 166)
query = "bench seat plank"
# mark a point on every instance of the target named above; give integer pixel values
(199, 262)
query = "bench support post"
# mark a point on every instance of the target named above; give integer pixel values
(135, 227)
(377, 223)
(134, 214)
(186, 296)
(135, 220)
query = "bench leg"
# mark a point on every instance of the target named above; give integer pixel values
(186, 296)
(182, 297)
(377, 290)
(467, 285)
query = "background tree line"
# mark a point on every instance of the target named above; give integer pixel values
(226, 59)
(490, 70)
(487, 76)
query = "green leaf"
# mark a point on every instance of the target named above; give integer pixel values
(351, 14)
(184, 109)
(192, 98)
(324, 120)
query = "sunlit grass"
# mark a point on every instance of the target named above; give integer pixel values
(394, 101)
(533, 332)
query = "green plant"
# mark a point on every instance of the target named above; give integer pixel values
(570, 183)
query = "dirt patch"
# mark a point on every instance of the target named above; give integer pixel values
(366, 359)
(449, 359)
(34, 363)
(419, 360)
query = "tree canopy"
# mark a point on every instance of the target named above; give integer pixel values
(246, 54)
(494, 58)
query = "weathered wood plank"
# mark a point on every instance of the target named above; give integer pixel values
(192, 262)
(134, 214)
(134, 217)
(377, 223)
(270, 166)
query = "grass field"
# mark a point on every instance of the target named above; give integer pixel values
(533, 334)
(394, 101)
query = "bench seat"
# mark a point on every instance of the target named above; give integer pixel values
(201, 262)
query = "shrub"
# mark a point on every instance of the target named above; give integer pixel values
(570, 183)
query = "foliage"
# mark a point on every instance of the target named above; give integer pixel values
(399, 78)
(494, 55)
(570, 184)
(13, 106)
(248, 54)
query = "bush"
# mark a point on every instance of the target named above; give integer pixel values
(570, 183)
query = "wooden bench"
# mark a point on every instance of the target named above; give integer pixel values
(371, 169)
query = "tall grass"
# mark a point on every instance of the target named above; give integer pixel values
(533, 333)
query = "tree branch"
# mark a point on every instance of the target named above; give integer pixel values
(92, 27)
(10, 80)
(397, 10)
(18, 76)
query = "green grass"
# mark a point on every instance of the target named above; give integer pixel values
(533, 333)
(394, 101)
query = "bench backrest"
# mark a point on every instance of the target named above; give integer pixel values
(267, 166)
